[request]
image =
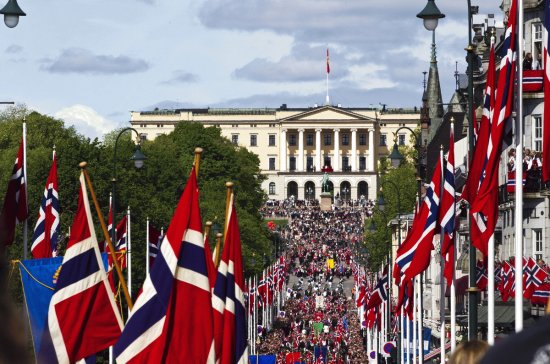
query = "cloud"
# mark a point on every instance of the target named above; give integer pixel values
(86, 120)
(14, 48)
(78, 60)
(180, 77)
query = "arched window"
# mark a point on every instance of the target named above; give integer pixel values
(292, 190)
(272, 188)
(362, 190)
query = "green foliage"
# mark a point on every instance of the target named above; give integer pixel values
(399, 189)
(152, 191)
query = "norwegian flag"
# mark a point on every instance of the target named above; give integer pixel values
(541, 295)
(486, 201)
(120, 244)
(546, 110)
(413, 256)
(405, 299)
(83, 317)
(228, 298)
(448, 211)
(380, 292)
(533, 277)
(481, 276)
(46, 231)
(155, 238)
(15, 202)
(480, 232)
(361, 295)
(507, 283)
(172, 318)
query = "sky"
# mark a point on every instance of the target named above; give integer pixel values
(92, 62)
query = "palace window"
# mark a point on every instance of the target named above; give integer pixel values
(401, 139)
(362, 163)
(309, 139)
(345, 139)
(292, 139)
(253, 140)
(538, 244)
(271, 140)
(272, 188)
(383, 140)
(328, 139)
(272, 164)
(362, 139)
(235, 138)
(292, 164)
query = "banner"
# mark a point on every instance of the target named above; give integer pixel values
(38, 277)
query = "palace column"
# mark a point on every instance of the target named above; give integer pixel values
(353, 150)
(300, 150)
(371, 149)
(282, 151)
(336, 163)
(318, 150)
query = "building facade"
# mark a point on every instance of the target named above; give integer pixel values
(297, 146)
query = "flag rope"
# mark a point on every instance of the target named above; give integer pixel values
(14, 262)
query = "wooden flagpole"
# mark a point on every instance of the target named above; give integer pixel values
(82, 166)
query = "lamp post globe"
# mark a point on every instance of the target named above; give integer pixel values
(12, 12)
(430, 15)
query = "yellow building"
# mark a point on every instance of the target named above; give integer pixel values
(297, 145)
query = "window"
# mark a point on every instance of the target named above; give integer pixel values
(292, 164)
(401, 139)
(309, 139)
(537, 45)
(272, 188)
(327, 161)
(235, 138)
(253, 140)
(143, 137)
(292, 139)
(345, 139)
(362, 163)
(538, 244)
(345, 164)
(271, 163)
(363, 139)
(271, 140)
(309, 164)
(537, 132)
(328, 139)
(383, 140)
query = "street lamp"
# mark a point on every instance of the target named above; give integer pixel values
(430, 15)
(12, 12)
(138, 158)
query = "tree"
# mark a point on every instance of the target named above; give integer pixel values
(152, 191)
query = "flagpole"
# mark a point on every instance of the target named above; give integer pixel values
(519, 180)
(147, 252)
(453, 301)
(83, 165)
(491, 291)
(327, 100)
(26, 181)
(442, 265)
(420, 320)
(415, 318)
(129, 254)
(401, 336)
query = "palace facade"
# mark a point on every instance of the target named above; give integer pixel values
(296, 146)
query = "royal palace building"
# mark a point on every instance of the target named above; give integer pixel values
(296, 146)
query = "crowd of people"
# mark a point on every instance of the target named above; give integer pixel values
(284, 208)
(531, 167)
(320, 321)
